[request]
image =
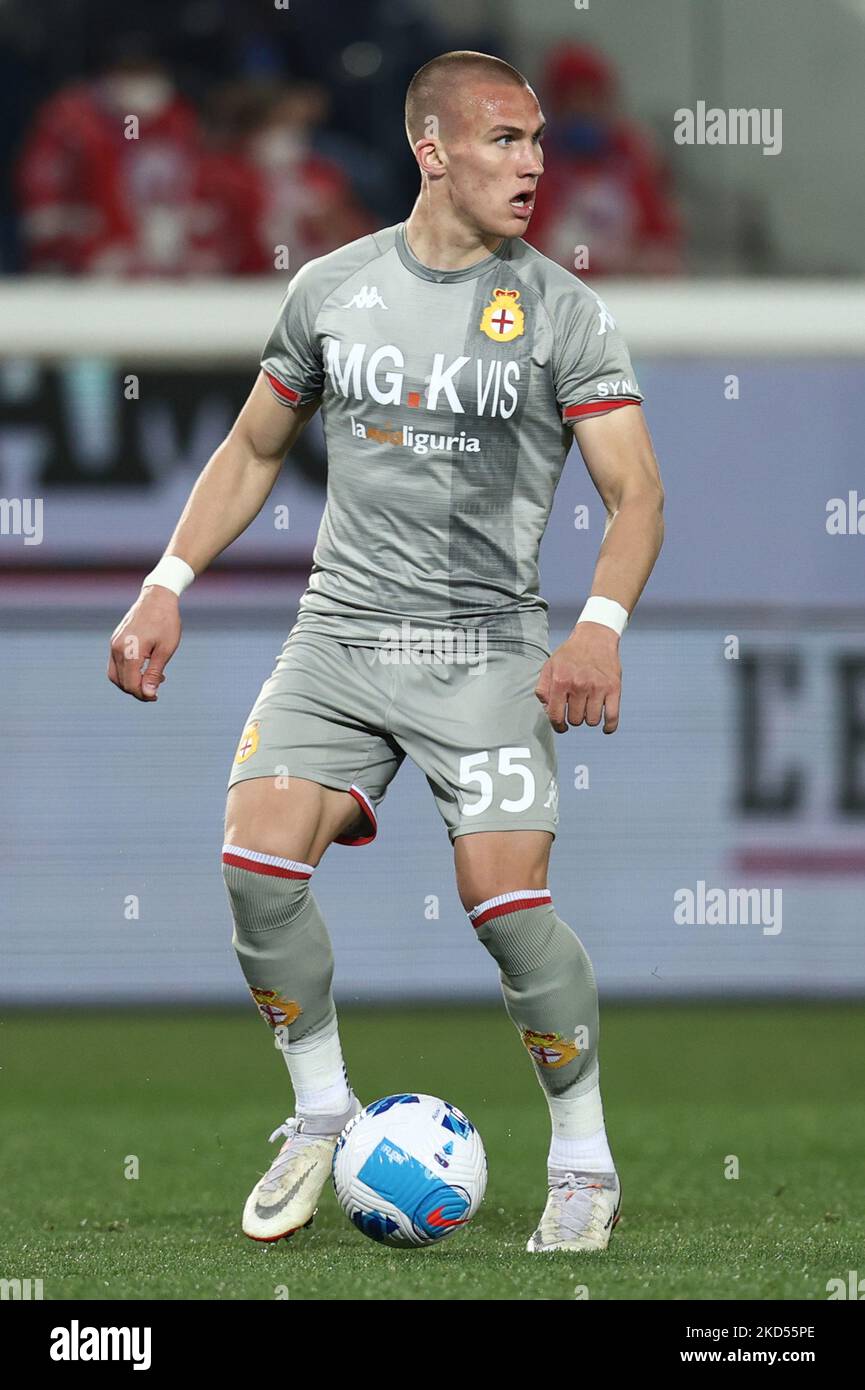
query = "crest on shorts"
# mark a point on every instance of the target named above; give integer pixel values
(275, 1010)
(248, 742)
(550, 1049)
(503, 319)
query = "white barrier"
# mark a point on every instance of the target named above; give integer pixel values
(194, 322)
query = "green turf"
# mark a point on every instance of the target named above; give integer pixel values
(194, 1096)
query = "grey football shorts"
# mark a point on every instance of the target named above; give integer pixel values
(342, 716)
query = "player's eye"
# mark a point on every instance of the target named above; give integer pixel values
(508, 138)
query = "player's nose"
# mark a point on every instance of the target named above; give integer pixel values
(533, 164)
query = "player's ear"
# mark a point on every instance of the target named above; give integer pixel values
(430, 156)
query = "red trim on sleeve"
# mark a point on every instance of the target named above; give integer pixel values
(284, 393)
(576, 412)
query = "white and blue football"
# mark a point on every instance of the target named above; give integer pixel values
(410, 1170)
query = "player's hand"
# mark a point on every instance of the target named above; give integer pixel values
(149, 633)
(583, 679)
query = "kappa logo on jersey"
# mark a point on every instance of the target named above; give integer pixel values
(503, 319)
(367, 297)
(380, 378)
(248, 742)
(550, 1049)
(605, 318)
(276, 1011)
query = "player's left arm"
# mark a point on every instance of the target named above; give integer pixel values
(582, 679)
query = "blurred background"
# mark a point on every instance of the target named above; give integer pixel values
(142, 266)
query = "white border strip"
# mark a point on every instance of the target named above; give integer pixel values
(269, 859)
(543, 893)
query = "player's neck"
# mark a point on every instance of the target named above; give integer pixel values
(441, 242)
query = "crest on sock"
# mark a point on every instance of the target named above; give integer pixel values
(550, 1049)
(275, 1010)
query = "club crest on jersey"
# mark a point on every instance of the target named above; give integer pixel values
(248, 742)
(550, 1049)
(503, 319)
(276, 1011)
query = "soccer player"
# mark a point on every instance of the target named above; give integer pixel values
(454, 364)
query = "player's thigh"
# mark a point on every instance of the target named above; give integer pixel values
(311, 765)
(486, 745)
(290, 817)
(500, 861)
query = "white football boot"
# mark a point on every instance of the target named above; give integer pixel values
(581, 1211)
(286, 1198)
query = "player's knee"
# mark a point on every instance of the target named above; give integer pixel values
(266, 891)
(516, 928)
(523, 933)
(487, 866)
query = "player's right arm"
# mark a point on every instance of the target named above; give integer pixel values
(228, 494)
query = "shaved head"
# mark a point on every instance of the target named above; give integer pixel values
(440, 88)
(475, 127)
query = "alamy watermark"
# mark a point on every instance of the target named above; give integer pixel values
(722, 907)
(22, 516)
(711, 125)
(21, 1289)
(84, 1343)
(409, 645)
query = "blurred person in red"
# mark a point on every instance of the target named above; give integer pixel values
(108, 175)
(604, 188)
(306, 200)
(230, 195)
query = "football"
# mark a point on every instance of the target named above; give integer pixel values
(410, 1170)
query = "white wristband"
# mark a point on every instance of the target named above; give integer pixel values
(172, 573)
(605, 611)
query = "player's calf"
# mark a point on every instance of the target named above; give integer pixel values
(550, 994)
(285, 953)
(547, 982)
(280, 939)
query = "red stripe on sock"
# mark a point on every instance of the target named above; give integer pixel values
(516, 905)
(254, 867)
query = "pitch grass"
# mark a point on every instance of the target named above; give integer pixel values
(194, 1095)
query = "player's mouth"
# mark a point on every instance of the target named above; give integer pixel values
(523, 204)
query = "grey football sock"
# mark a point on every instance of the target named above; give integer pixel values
(549, 989)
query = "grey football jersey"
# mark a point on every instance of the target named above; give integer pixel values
(447, 399)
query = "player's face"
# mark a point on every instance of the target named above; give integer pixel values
(495, 160)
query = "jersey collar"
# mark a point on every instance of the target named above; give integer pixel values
(448, 277)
